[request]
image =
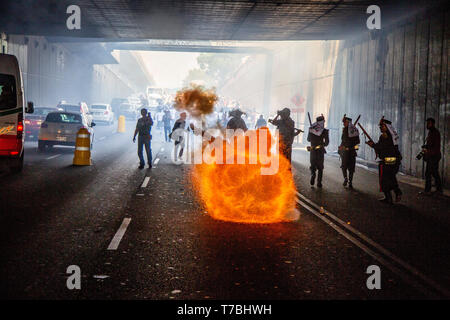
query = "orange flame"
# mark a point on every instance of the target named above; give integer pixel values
(196, 100)
(240, 193)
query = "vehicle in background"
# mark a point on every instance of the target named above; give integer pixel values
(115, 104)
(12, 109)
(61, 128)
(81, 108)
(33, 121)
(102, 112)
(128, 110)
(135, 102)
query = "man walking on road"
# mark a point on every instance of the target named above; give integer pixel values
(390, 159)
(432, 156)
(144, 127)
(347, 150)
(167, 122)
(319, 138)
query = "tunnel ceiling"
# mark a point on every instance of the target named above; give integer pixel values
(201, 19)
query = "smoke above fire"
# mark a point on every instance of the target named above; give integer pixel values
(196, 100)
(238, 191)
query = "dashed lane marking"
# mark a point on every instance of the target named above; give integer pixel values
(119, 234)
(156, 161)
(53, 157)
(145, 183)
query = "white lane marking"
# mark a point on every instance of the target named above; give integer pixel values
(53, 157)
(101, 138)
(119, 234)
(140, 194)
(145, 183)
(161, 150)
(156, 161)
(387, 253)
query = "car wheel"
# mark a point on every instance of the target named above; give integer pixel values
(18, 166)
(41, 146)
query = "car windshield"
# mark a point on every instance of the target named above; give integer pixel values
(63, 117)
(70, 108)
(98, 106)
(8, 96)
(42, 111)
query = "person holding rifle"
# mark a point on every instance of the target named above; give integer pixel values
(286, 127)
(347, 149)
(390, 158)
(319, 138)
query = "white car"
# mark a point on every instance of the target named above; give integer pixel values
(102, 112)
(61, 128)
(80, 108)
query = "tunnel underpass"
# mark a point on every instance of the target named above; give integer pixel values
(152, 232)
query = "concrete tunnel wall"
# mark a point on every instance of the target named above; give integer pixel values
(52, 73)
(401, 72)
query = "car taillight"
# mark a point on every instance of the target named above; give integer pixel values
(44, 125)
(14, 153)
(19, 127)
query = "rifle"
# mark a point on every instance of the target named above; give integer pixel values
(309, 117)
(357, 119)
(365, 132)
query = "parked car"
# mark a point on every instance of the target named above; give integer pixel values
(61, 128)
(33, 121)
(81, 108)
(129, 111)
(12, 109)
(102, 112)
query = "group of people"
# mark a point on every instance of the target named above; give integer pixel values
(386, 149)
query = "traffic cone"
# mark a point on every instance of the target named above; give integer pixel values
(82, 156)
(121, 124)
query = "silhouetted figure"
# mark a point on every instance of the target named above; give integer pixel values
(287, 131)
(236, 122)
(432, 156)
(261, 122)
(143, 128)
(390, 160)
(319, 138)
(347, 150)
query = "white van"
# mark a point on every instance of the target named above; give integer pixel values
(12, 108)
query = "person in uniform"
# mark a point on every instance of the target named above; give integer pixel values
(286, 128)
(347, 150)
(144, 127)
(236, 122)
(390, 159)
(319, 138)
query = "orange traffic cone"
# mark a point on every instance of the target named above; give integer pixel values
(82, 156)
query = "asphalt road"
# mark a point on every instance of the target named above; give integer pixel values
(54, 215)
